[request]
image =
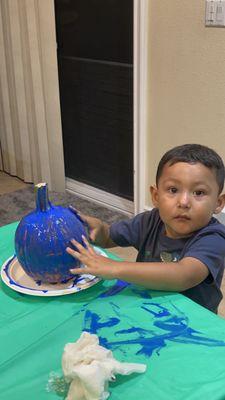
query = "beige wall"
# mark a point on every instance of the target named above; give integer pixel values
(186, 80)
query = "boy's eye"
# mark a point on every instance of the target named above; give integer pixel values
(172, 190)
(199, 192)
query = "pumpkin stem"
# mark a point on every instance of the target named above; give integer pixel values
(42, 200)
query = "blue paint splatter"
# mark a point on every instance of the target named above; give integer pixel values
(166, 326)
(159, 312)
(94, 323)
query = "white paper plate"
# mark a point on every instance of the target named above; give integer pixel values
(15, 277)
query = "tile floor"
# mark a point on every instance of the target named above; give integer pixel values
(9, 184)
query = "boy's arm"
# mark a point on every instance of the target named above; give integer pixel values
(172, 276)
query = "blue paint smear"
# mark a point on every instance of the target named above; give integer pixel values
(144, 293)
(119, 286)
(12, 282)
(81, 310)
(115, 289)
(93, 322)
(159, 312)
(166, 326)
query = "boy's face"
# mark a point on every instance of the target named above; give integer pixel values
(186, 196)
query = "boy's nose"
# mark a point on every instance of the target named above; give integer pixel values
(184, 200)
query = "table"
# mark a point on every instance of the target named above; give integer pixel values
(182, 344)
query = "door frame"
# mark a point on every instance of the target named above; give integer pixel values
(140, 81)
(141, 21)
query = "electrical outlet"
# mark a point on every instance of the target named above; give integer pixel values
(215, 13)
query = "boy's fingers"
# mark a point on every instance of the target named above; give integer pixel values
(77, 245)
(73, 253)
(75, 271)
(89, 247)
(75, 211)
(92, 236)
(78, 271)
(79, 215)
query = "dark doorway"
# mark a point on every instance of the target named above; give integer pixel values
(95, 59)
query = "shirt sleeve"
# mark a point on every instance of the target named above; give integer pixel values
(127, 232)
(210, 250)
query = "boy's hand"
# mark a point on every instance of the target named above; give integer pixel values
(98, 230)
(95, 264)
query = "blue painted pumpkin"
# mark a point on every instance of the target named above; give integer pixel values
(41, 239)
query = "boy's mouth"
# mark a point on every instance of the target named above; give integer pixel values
(182, 217)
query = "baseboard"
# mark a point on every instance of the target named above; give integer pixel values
(99, 196)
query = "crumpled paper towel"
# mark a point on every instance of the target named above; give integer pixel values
(88, 367)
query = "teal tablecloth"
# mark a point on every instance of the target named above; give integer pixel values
(182, 344)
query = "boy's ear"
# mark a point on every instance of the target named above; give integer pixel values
(154, 195)
(220, 204)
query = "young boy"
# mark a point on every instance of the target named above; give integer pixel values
(181, 246)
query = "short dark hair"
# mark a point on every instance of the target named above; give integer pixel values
(192, 154)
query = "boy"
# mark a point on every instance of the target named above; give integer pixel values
(181, 246)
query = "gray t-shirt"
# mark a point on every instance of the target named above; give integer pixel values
(145, 232)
